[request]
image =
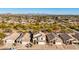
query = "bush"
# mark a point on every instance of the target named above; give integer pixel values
(1, 42)
(2, 35)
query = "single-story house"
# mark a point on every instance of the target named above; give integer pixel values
(39, 38)
(76, 36)
(11, 38)
(8, 32)
(52, 38)
(66, 38)
(26, 39)
(23, 21)
(19, 38)
(76, 21)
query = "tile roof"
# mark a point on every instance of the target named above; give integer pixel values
(76, 36)
(64, 36)
(50, 36)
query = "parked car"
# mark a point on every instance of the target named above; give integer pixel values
(28, 45)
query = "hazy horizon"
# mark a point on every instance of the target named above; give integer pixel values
(50, 11)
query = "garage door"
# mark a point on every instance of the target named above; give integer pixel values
(58, 43)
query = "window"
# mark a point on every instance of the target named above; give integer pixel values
(41, 38)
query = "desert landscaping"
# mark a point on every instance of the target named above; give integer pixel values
(39, 32)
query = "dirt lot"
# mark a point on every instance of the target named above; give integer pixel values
(47, 47)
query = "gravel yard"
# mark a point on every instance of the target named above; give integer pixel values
(47, 47)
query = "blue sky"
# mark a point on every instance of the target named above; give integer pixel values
(57, 11)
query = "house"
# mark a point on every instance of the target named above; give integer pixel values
(52, 38)
(8, 32)
(26, 39)
(76, 21)
(9, 40)
(23, 21)
(76, 36)
(39, 38)
(11, 21)
(19, 38)
(58, 40)
(66, 38)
